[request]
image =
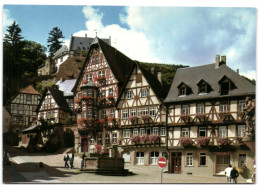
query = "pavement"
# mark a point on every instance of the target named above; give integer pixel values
(25, 168)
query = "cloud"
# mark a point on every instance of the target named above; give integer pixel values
(191, 36)
(7, 19)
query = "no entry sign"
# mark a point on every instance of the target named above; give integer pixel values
(162, 162)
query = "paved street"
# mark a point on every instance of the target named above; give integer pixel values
(25, 169)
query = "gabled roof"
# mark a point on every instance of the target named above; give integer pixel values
(62, 51)
(29, 90)
(192, 75)
(58, 98)
(119, 63)
(151, 79)
(82, 43)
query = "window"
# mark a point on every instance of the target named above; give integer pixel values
(152, 111)
(202, 159)
(241, 160)
(223, 107)
(241, 130)
(112, 113)
(155, 131)
(185, 109)
(202, 131)
(104, 114)
(223, 159)
(103, 93)
(92, 140)
(90, 92)
(135, 131)
(203, 88)
(142, 131)
(107, 138)
(84, 92)
(182, 90)
(200, 108)
(110, 91)
(145, 112)
(89, 77)
(222, 131)
(241, 105)
(90, 114)
(79, 95)
(95, 59)
(84, 114)
(163, 131)
(124, 114)
(225, 87)
(99, 140)
(154, 155)
(128, 95)
(114, 138)
(148, 130)
(126, 133)
(143, 92)
(28, 97)
(185, 132)
(52, 114)
(133, 112)
(101, 73)
(140, 158)
(189, 159)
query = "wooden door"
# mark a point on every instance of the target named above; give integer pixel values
(84, 145)
(176, 163)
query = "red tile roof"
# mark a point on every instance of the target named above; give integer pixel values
(29, 89)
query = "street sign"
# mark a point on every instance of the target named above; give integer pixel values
(162, 162)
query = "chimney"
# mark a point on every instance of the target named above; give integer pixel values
(217, 61)
(237, 71)
(152, 70)
(86, 35)
(159, 76)
(109, 40)
(223, 60)
(61, 80)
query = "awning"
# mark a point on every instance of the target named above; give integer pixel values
(32, 129)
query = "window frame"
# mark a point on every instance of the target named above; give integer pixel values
(182, 131)
(189, 159)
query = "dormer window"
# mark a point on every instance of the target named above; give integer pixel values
(203, 87)
(226, 85)
(184, 89)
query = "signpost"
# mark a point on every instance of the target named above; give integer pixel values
(162, 162)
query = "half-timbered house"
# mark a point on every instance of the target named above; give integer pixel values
(95, 93)
(142, 117)
(205, 125)
(23, 108)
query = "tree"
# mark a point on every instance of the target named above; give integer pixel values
(54, 40)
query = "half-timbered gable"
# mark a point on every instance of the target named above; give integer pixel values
(142, 117)
(53, 106)
(209, 117)
(23, 108)
(97, 89)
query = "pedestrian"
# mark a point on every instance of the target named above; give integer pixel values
(6, 157)
(66, 159)
(234, 174)
(227, 172)
(72, 159)
(82, 160)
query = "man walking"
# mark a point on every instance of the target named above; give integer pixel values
(66, 159)
(234, 174)
(72, 159)
(227, 172)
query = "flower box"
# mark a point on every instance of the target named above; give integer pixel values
(97, 148)
(185, 118)
(203, 141)
(133, 119)
(201, 117)
(112, 119)
(223, 141)
(185, 141)
(144, 138)
(145, 117)
(224, 115)
(135, 138)
(99, 79)
(85, 98)
(102, 100)
(102, 121)
(154, 138)
(111, 98)
(84, 82)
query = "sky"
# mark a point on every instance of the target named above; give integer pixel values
(188, 35)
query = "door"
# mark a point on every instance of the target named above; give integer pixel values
(176, 163)
(126, 156)
(222, 162)
(84, 145)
